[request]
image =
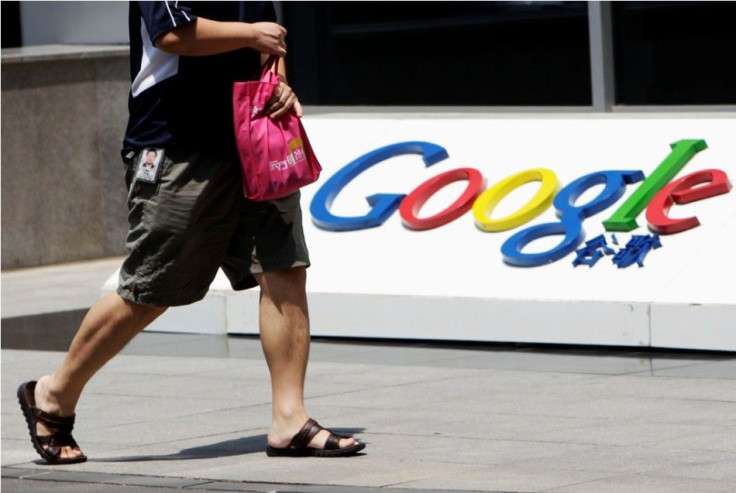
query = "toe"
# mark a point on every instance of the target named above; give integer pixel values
(70, 452)
(347, 442)
(320, 439)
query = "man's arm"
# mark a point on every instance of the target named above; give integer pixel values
(207, 37)
(282, 66)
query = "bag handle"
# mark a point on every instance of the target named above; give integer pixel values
(271, 65)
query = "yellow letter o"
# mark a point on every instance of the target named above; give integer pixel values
(488, 200)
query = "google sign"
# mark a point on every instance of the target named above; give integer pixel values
(656, 193)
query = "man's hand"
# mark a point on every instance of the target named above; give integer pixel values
(282, 101)
(269, 38)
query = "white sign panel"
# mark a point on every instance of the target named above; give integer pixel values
(452, 282)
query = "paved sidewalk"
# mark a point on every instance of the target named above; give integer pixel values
(191, 413)
(55, 288)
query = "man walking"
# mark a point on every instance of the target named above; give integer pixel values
(191, 218)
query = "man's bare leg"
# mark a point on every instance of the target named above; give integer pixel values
(108, 326)
(284, 328)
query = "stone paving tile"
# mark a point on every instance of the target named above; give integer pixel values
(626, 460)
(375, 375)
(190, 387)
(163, 430)
(586, 406)
(255, 466)
(521, 361)
(722, 439)
(97, 412)
(612, 432)
(648, 484)
(506, 479)
(427, 427)
(357, 471)
(682, 363)
(121, 479)
(170, 366)
(471, 451)
(273, 488)
(74, 285)
(397, 398)
(339, 489)
(184, 459)
(30, 364)
(498, 380)
(215, 347)
(635, 386)
(352, 354)
(541, 404)
(697, 412)
(724, 370)
(386, 355)
(34, 486)
(77, 482)
(14, 425)
(17, 451)
(717, 469)
(17, 473)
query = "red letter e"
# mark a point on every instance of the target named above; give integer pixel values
(687, 189)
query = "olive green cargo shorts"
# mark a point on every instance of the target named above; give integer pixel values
(194, 219)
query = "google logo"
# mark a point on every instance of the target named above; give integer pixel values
(657, 193)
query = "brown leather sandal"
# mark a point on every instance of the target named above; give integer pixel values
(48, 446)
(298, 447)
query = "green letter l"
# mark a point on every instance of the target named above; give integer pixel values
(624, 219)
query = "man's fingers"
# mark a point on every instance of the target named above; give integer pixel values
(284, 107)
(279, 111)
(280, 96)
(275, 48)
(283, 100)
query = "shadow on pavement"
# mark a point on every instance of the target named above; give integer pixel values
(239, 446)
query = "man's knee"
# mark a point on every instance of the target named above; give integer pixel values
(145, 312)
(293, 276)
(284, 284)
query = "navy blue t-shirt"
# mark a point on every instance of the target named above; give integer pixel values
(186, 101)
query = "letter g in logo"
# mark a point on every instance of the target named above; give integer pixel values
(382, 205)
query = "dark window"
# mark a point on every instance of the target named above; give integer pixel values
(439, 53)
(10, 12)
(675, 52)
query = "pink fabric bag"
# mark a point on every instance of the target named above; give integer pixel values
(275, 156)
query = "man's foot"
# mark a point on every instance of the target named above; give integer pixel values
(49, 427)
(313, 440)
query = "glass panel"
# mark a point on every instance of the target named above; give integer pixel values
(675, 52)
(441, 53)
(10, 14)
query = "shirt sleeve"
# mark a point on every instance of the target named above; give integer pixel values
(164, 16)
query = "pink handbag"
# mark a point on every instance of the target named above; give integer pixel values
(275, 156)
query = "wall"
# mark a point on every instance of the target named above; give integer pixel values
(64, 112)
(74, 22)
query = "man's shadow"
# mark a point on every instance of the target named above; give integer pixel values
(227, 448)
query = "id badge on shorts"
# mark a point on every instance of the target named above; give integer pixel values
(150, 163)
